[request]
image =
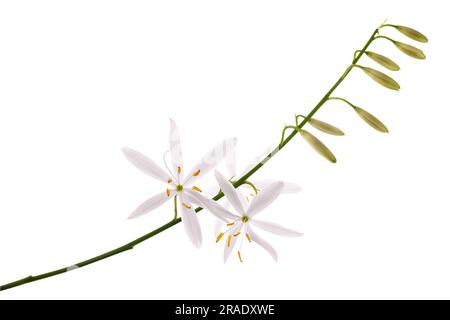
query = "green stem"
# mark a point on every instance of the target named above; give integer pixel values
(356, 53)
(384, 37)
(252, 186)
(237, 183)
(387, 25)
(342, 99)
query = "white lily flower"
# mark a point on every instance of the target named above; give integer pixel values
(240, 224)
(178, 184)
(249, 190)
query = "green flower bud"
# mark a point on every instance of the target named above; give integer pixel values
(325, 127)
(317, 145)
(410, 50)
(382, 60)
(381, 78)
(412, 34)
(371, 120)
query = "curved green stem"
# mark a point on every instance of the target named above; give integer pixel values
(356, 53)
(384, 37)
(236, 184)
(342, 99)
(252, 186)
(387, 25)
(296, 118)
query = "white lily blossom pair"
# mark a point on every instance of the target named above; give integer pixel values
(188, 194)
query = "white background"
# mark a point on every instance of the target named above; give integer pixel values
(80, 80)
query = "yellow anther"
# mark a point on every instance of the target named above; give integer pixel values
(230, 224)
(186, 205)
(197, 189)
(237, 234)
(169, 180)
(240, 257)
(196, 173)
(248, 237)
(179, 170)
(219, 237)
(168, 192)
(229, 241)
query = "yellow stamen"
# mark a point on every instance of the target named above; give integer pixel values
(237, 234)
(248, 237)
(229, 241)
(240, 257)
(179, 170)
(196, 173)
(169, 180)
(219, 237)
(230, 224)
(186, 205)
(197, 189)
(168, 192)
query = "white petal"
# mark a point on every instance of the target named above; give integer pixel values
(230, 192)
(218, 226)
(264, 198)
(255, 161)
(242, 199)
(230, 162)
(191, 197)
(145, 164)
(288, 187)
(263, 243)
(175, 149)
(212, 206)
(191, 224)
(275, 228)
(210, 160)
(229, 249)
(151, 204)
(211, 191)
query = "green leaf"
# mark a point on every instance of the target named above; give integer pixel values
(381, 78)
(382, 60)
(412, 34)
(410, 50)
(317, 145)
(371, 120)
(325, 127)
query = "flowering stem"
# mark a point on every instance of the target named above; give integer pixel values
(237, 183)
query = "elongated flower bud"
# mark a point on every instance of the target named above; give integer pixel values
(371, 120)
(325, 127)
(317, 145)
(412, 34)
(381, 78)
(382, 60)
(410, 50)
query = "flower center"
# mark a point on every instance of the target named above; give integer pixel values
(245, 219)
(179, 188)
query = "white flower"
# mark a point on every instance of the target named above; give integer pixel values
(178, 184)
(249, 189)
(240, 225)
